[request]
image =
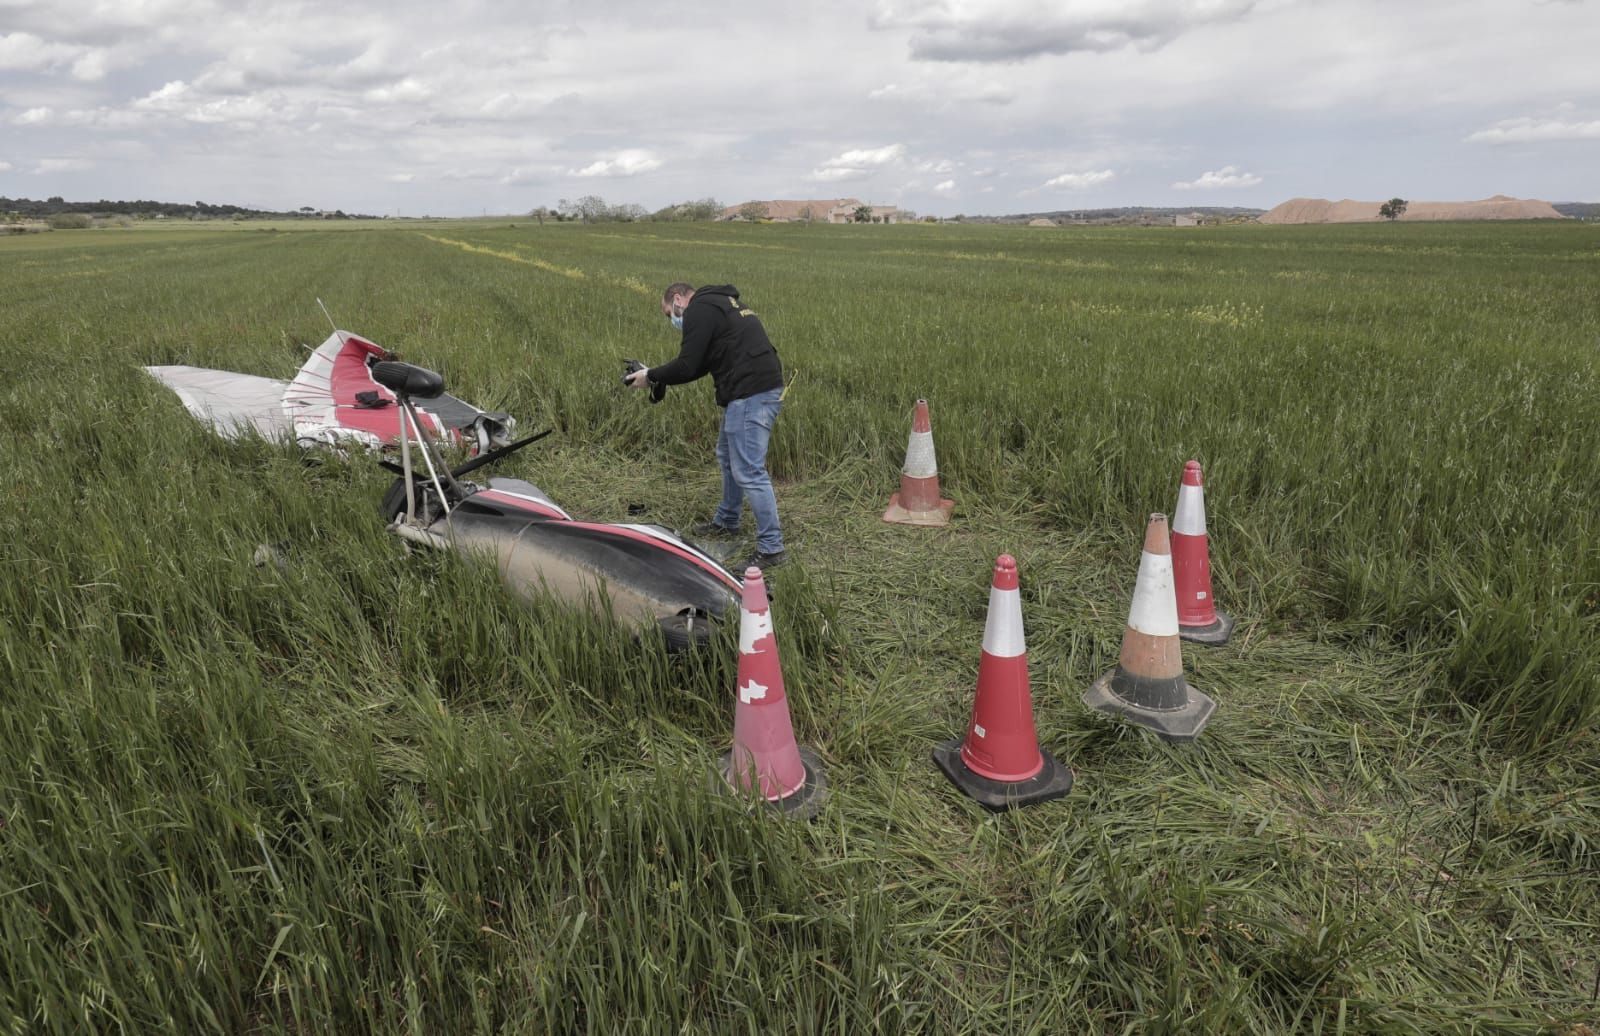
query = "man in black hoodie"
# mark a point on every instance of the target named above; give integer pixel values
(726, 340)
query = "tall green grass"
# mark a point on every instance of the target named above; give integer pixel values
(365, 790)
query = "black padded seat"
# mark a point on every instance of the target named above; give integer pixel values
(407, 379)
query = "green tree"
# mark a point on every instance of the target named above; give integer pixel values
(862, 214)
(753, 211)
(1393, 209)
(591, 208)
(701, 209)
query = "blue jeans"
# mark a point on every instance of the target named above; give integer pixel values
(742, 453)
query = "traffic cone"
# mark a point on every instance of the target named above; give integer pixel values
(1199, 618)
(765, 758)
(1147, 688)
(918, 501)
(1000, 763)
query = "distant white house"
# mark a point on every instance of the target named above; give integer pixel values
(1191, 220)
(880, 213)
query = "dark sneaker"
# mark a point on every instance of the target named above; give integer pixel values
(711, 531)
(762, 561)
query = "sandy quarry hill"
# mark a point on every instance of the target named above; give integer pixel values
(1320, 210)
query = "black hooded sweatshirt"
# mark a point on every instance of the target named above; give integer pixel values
(727, 341)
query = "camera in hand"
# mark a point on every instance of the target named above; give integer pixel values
(657, 392)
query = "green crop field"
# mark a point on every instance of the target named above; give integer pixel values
(371, 791)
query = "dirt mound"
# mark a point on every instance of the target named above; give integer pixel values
(1320, 210)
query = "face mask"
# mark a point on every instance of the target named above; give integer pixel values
(677, 321)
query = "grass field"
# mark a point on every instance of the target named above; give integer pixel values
(371, 791)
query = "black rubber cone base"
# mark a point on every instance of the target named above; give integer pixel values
(1176, 726)
(1052, 782)
(1216, 633)
(801, 804)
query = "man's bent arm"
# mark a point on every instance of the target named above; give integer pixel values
(690, 362)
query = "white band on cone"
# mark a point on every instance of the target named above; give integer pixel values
(752, 627)
(1155, 600)
(1190, 520)
(1002, 633)
(920, 462)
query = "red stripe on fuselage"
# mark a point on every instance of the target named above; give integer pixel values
(643, 537)
(524, 503)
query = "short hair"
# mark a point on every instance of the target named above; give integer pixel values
(676, 288)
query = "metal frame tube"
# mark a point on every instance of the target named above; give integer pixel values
(427, 457)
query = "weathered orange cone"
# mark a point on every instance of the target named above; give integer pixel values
(918, 501)
(1199, 618)
(765, 758)
(1000, 763)
(1147, 688)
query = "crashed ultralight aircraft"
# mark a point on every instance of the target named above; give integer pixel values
(352, 392)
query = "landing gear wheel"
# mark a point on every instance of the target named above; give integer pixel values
(394, 501)
(687, 631)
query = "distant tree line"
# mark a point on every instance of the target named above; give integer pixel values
(28, 208)
(592, 208)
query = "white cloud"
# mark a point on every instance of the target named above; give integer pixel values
(991, 93)
(251, 110)
(1530, 130)
(986, 92)
(1227, 176)
(866, 157)
(107, 20)
(1016, 30)
(1081, 181)
(5, 167)
(857, 164)
(405, 91)
(22, 51)
(502, 106)
(91, 66)
(842, 175)
(165, 98)
(62, 165)
(95, 118)
(945, 188)
(631, 162)
(401, 177)
(491, 105)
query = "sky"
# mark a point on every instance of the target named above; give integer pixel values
(940, 106)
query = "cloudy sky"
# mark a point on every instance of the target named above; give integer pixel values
(943, 106)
